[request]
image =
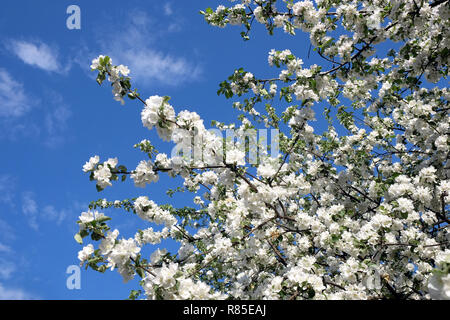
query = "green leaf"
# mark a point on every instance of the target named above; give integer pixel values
(83, 233)
(103, 219)
(97, 236)
(134, 294)
(140, 272)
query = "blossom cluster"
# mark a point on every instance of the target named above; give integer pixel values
(358, 211)
(115, 74)
(101, 172)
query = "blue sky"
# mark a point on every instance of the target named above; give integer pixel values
(54, 116)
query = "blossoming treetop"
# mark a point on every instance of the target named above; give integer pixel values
(360, 211)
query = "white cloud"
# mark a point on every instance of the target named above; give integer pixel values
(36, 213)
(149, 65)
(59, 215)
(56, 120)
(51, 213)
(7, 184)
(7, 268)
(13, 100)
(136, 46)
(14, 130)
(30, 209)
(7, 264)
(48, 121)
(168, 9)
(6, 231)
(4, 248)
(14, 294)
(39, 55)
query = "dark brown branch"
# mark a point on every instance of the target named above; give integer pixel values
(438, 2)
(280, 257)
